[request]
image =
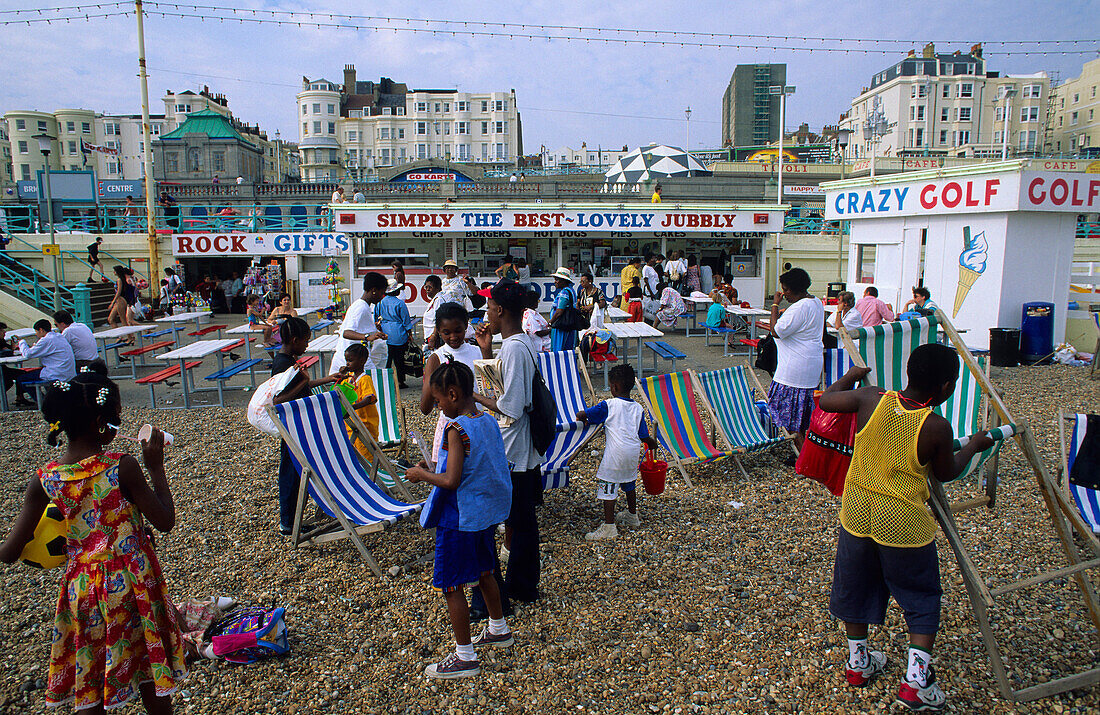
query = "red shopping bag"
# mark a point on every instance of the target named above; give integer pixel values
(827, 452)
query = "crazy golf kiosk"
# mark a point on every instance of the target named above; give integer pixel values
(983, 239)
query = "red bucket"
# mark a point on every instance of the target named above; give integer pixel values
(653, 473)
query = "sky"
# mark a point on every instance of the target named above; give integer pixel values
(568, 92)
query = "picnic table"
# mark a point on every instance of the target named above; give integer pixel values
(195, 315)
(323, 344)
(245, 330)
(20, 333)
(748, 318)
(122, 331)
(310, 309)
(198, 350)
(636, 331)
(614, 313)
(14, 361)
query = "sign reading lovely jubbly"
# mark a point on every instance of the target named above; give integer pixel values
(354, 219)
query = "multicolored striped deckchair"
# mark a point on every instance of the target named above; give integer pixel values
(562, 370)
(391, 411)
(729, 400)
(672, 405)
(335, 474)
(1087, 500)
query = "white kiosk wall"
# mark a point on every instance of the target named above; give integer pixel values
(994, 237)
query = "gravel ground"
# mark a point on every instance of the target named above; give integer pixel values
(717, 604)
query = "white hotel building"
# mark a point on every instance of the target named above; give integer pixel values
(350, 131)
(950, 105)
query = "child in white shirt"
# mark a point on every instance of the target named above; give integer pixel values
(625, 430)
(536, 326)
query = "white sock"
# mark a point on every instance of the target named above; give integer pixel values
(497, 627)
(857, 653)
(466, 652)
(920, 661)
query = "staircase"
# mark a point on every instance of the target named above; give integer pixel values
(36, 289)
(101, 295)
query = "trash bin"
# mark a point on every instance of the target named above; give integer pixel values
(1037, 331)
(1004, 347)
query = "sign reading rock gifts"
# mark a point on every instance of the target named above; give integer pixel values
(258, 244)
(355, 219)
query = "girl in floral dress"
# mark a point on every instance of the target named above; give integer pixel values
(115, 634)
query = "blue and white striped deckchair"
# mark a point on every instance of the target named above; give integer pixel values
(837, 363)
(1087, 500)
(562, 370)
(729, 400)
(334, 473)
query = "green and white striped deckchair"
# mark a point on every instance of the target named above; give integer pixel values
(729, 400)
(391, 411)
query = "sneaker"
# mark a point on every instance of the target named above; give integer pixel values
(631, 521)
(606, 531)
(916, 698)
(503, 640)
(862, 677)
(453, 667)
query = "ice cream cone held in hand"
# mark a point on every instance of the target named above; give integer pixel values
(971, 265)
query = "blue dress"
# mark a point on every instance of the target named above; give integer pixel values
(564, 339)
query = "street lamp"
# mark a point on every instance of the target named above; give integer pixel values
(45, 142)
(842, 137)
(928, 88)
(687, 122)
(875, 127)
(782, 91)
(1008, 93)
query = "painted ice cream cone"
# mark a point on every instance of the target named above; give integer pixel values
(967, 276)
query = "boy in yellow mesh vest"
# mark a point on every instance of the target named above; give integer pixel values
(887, 532)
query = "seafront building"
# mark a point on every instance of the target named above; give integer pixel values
(1076, 128)
(750, 113)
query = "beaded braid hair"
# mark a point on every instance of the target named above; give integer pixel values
(74, 406)
(293, 328)
(453, 374)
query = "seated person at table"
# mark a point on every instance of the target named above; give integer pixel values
(7, 349)
(53, 352)
(256, 319)
(847, 316)
(716, 313)
(919, 304)
(79, 336)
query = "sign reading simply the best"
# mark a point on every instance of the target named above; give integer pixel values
(355, 219)
(260, 244)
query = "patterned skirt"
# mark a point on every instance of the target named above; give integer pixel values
(791, 407)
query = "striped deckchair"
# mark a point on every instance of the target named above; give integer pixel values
(672, 405)
(729, 401)
(885, 348)
(837, 363)
(335, 474)
(563, 370)
(1087, 500)
(391, 411)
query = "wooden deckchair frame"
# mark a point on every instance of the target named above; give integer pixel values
(1063, 515)
(717, 430)
(342, 528)
(787, 435)
(400, 449)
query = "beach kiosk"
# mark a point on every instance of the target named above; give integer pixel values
(983, 239)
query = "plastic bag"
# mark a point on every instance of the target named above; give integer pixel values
(827, 452)
(265, 394)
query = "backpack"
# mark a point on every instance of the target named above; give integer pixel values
(542, 417)
(246, 635)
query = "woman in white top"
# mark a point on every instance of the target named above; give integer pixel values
(451, 322)
(799, 345)
(847, 316)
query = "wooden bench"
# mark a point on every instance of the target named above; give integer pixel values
(207, 330)
(162, 376)
(235, 369)
(607, 359)
(309, 362)
(662, 349)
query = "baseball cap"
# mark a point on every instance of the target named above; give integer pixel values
(508, 295)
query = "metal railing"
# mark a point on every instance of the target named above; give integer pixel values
(33, 288)
(34, 251)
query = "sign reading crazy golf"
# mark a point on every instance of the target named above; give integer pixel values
(461, 220)
(258, 244)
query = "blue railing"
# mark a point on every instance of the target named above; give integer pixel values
(30, 289)
(814, 225)
(33, 250)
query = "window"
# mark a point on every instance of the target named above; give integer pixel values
(962, 137)
(1094, 90)
(23, 147)
(316, 107)
(385, 157)
(72, 147)
(26, 171)
(463, 152)
(484, 151)
(462, 127)
(945, 114)
(502, 151)
(421, 151)
(1027, 140)
(217, 160)
(422, 107)
(438, 131)
(387, 111)
(316, 127)
(305, 109)
(447, 128)
(332, 127)
(353, 136)
(400, 132)
(401, 154)
(70, 127)
(41, 126)
(922, 90)
(1073, 118)
(964, 114)
(1090, 115)
(946, 91)
(500, 105)
(485, 128)
(913, 91)
(446, 106)
(437, 107)
(966, 89)
(465, 106)
(998, 136)
(110, 129)
(20, 124)
(384, 133)
(421, 128)
(500, 127)
(1033, 90)
(305, 128)
(330, 108)
(865, 263)
(399, 111)
(1029, 114)
(1076, 99)
(1060, 120)
(920, 136)
(999, 114)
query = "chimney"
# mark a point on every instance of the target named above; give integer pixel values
(911, 53)
(349, 79)
(929, 51)
(976, 50)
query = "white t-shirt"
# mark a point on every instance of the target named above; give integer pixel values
(852, 320)
(359, 318)
(337, 197)
(518, 372)
(650, 279)
(428, 320)
(620, 459)
(81, 341)
(798, 341)
(533, 322)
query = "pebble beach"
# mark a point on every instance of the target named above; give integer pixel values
(717, 604)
